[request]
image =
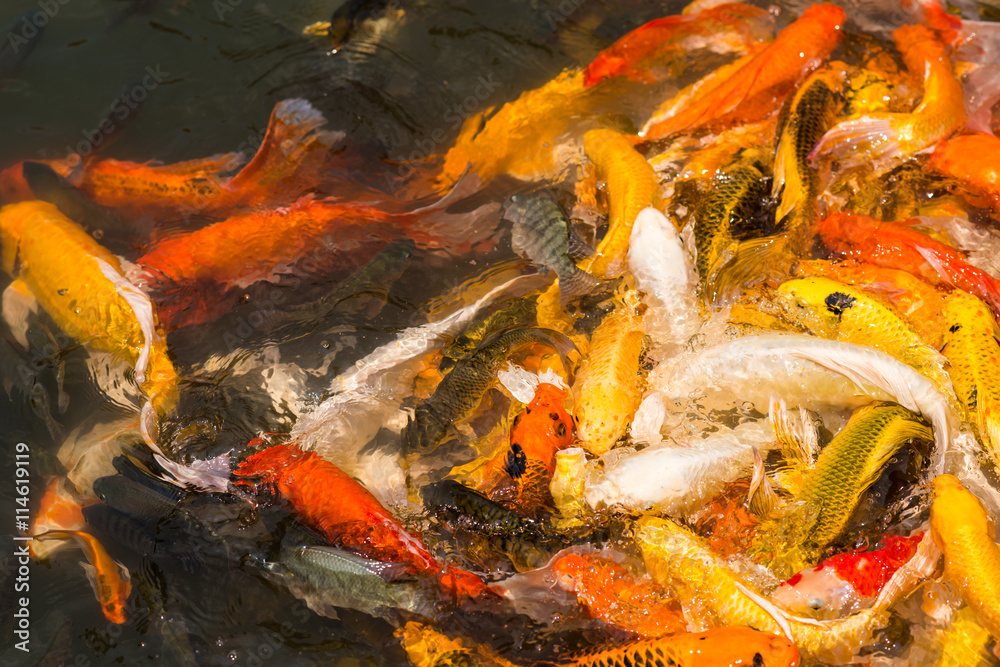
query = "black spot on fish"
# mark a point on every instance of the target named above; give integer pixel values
(973, 398)
(527, 410)
(554, 416)
(758, 660)
(517, 462)
(838, 302)
(954, 327)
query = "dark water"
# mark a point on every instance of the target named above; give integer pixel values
(202, 77)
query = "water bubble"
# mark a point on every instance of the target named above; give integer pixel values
(98, 234)
(325, 345)
(234, 656)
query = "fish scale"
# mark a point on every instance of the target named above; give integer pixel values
(972, 346)
(844, 470)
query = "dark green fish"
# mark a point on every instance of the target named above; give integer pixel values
(328, 579)
(804, 121)
(729, 214)
(521, 539)
(518, 313)
(542, 234)
(461, 390)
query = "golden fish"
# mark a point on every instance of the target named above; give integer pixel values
(853, 460)
(608, 388)
(972, 345)
(965, 534)
(426, 647)
(80, 285)
(964, 642)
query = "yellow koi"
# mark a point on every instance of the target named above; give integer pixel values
(80, 285)
(426, 647)
(964, 642)
(972, 345)
(965, 533)
(608, 388)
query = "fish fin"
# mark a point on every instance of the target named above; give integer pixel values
(289, 139)
(750, 262)
(516, 463)
(761, 497)
(795, 443)
(92, 578)
(578, 248)
(859, 140)
(919, 568)
(577, 283)
(988, 287)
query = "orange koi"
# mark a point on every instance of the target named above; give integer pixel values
(523, 470)
(729, 27)
(610, 593)
(895, 245)
(110, 579)
(287, 163)
(344, 512)
(884, 136)
(57, 511)
(772, 73)
(971, 159)
(732, 645)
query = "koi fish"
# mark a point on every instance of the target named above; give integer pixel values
(110, 579)
(522, 471)
(882, 137)
(771, 73)
(897, 246)
(845, 468)
(969, 159)
(462, 390)
(844, 583)
(678, 559)
(610, 593)
(632, 186)
(972, 347)
(285, 165)
(726, 27)
(964, 531)
(59, 510)
(965, 642)
(731, 645)
(427, 647)
(80, 285)
(343, 511)
(833, 310)
(607, 389)
(918, 302)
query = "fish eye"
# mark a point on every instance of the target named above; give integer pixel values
(816, 604)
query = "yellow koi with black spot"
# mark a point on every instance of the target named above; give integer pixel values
(972, 345)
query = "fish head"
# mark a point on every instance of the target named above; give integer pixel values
(818, 303)
(818, 592)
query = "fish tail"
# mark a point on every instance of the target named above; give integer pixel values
(988, 416)
(289, 139)
(855, 141)
(575, 283)
(753, 261)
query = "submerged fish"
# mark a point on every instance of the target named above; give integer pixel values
(343, 511)
(965, 534)
(818, 512)
(428, 647)
(969, 160)
(518, 313)
(724, 27)
(329, 579)
(461, 390)
(109, 578)
(770, 73)
(844, 583)
(609, 592)
(883, 137)
(542, 234)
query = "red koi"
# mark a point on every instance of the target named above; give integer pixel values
(897, 246)
(344, 512)
(843, 583)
